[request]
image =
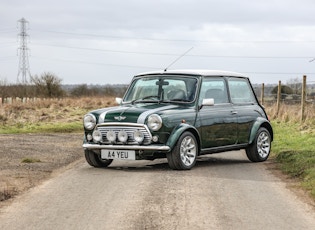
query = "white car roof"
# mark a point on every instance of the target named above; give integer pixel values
(203, 72)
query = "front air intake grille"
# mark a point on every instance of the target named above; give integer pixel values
(129, 128)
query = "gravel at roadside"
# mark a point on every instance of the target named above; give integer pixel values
(28, 159)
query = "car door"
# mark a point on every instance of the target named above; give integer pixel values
(218, 122)
(245, 105)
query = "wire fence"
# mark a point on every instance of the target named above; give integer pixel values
(301, 93)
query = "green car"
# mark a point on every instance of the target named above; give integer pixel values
(179, 115)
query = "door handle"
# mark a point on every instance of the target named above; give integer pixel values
(234, 112)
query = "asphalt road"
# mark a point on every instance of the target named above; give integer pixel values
(223, 191)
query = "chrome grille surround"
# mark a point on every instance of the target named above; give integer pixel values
(130, 128)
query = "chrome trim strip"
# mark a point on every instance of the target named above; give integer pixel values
(127, 147)
(122, 124)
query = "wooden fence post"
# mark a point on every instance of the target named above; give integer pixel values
(278, 98)
(303, 99)
(262, 99)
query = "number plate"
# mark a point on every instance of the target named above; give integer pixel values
(118, 154)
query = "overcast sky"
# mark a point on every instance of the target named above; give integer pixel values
(109, 41)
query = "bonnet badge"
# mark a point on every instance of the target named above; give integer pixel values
(120, 118)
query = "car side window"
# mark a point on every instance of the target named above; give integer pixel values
(240, 91)
(214, 88)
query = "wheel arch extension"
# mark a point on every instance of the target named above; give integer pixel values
(179, 130)
(260, 122)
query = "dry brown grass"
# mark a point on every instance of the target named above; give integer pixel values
(73, 109)
(292, 113)
(50, 110)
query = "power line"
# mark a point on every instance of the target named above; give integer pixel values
(6, 29)
(7, 57)
(159, 68)
(174, 54)
(3, 43)
(277, 73)
(94, 63)
(175, 40)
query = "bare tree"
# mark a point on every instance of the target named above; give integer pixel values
(48, 85)
(296, 85)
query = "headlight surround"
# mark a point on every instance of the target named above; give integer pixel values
(89, 121)
(154, 122)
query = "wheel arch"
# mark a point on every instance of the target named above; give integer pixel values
(178, 131)
(260, 122)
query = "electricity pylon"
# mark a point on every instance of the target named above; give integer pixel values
(24, 67)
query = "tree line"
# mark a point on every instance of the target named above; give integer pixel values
(48, 85)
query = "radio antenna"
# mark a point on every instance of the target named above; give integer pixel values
(178, 59)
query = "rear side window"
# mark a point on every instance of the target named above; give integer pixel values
(240, 91)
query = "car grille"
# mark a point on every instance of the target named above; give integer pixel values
(129, 129)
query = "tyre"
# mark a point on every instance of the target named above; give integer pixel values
(95, 160)
(259, 150)
(184, 154)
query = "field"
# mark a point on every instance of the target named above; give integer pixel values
(293, 148)
(50, 115)
(294, 144)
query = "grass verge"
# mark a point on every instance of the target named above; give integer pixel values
(294, 149)
(56, 127)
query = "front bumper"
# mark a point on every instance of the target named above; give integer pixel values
(159, 148)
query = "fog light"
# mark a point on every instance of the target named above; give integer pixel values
(138, 136)
(111, 136)
(122, 136)
(97, 135)
(155, 138)
(89, 137)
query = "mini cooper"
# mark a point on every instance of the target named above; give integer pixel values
(179, 115)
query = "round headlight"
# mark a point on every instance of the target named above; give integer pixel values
(154, 122)
(89, 121)
(122, 136)
(138, 136)
(111, 136)
(97, 135)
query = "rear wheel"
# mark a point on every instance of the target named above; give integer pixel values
(184, 154)
(95, 160)
(259, 150)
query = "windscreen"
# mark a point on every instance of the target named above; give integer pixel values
(165, 88)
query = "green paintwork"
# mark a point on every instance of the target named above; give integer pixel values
(257, 124)
(223, 126)
(178, 131)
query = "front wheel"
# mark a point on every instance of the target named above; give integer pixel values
(259, 150)
(184, 154)
(95, 160)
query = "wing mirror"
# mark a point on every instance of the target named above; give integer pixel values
(118, 100)
(207, 102)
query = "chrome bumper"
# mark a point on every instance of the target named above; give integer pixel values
(163, 148)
